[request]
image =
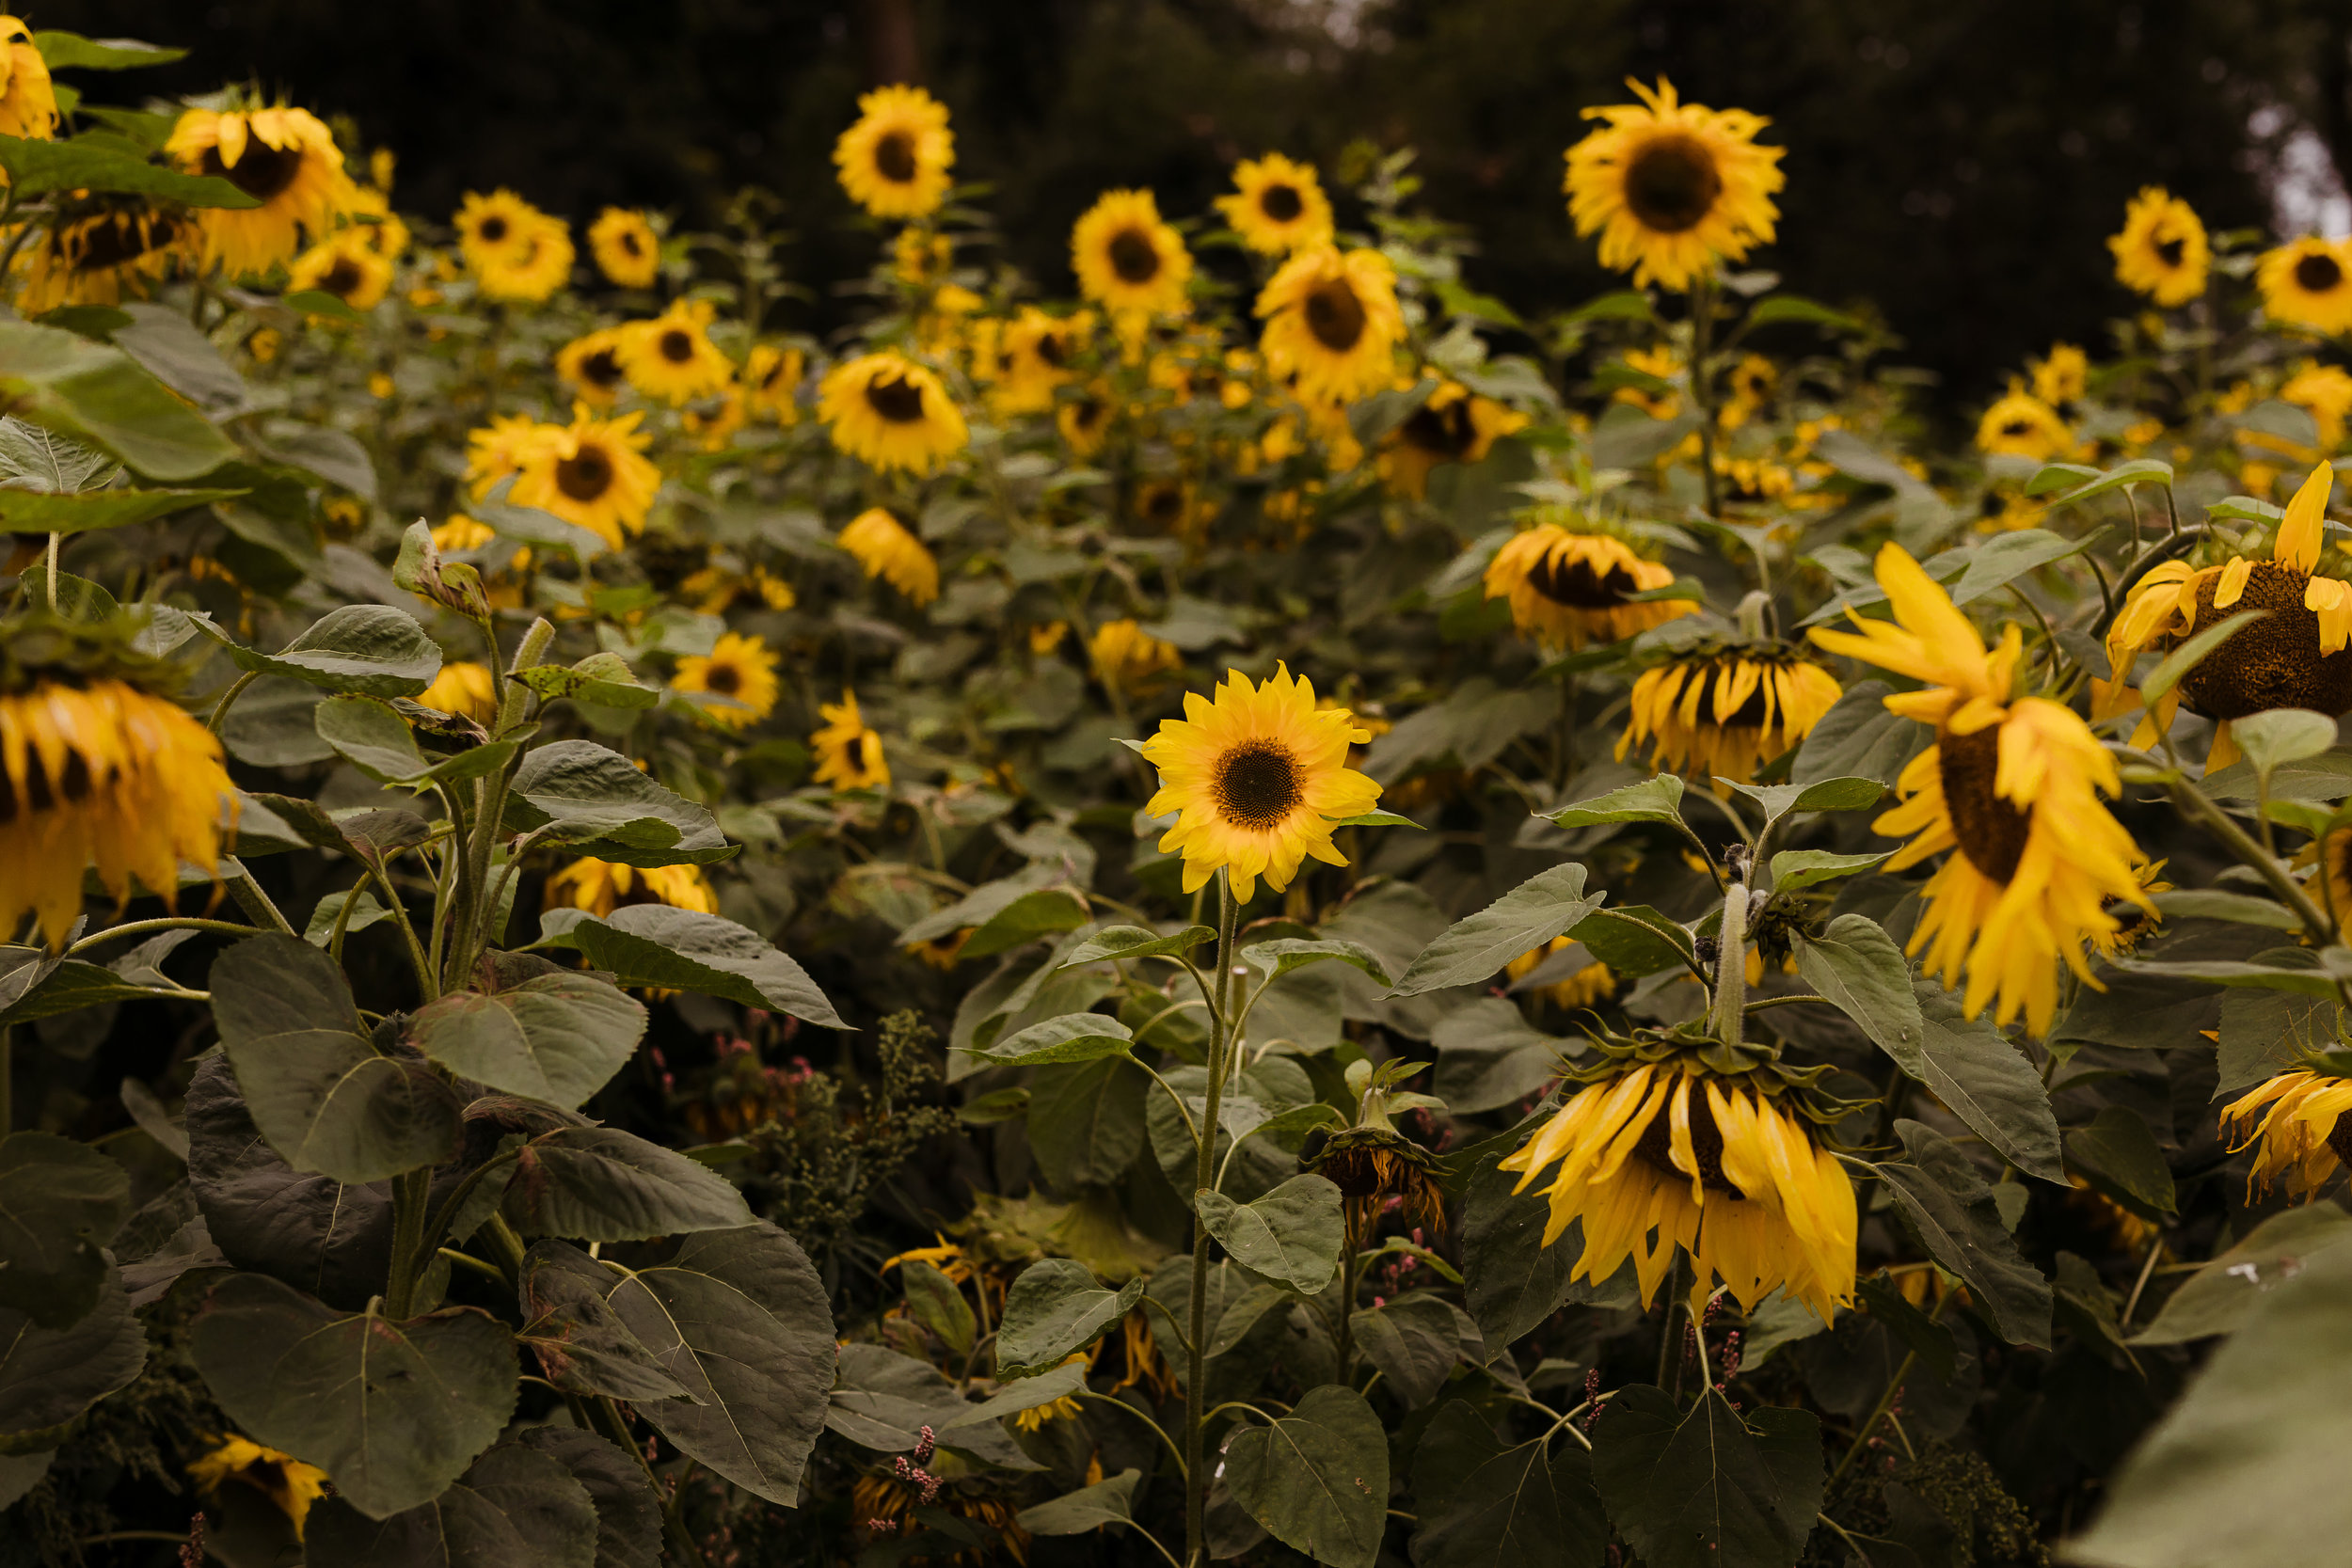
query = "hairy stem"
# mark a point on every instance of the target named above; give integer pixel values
(1204, 1175)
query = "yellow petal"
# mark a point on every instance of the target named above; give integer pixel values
(2297, 543)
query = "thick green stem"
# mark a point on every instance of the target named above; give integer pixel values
(1204, 1177)
(1727, 1022)
(250, 898)
(227, 698)
(2201, 810)
(411, 1193)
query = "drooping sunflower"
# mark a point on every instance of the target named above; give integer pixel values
(1569, 589)
(96, 770)
(1721, 712)
(342, 268)
(1127, 261)
(283, 158)
(1673, 187)
(740, 671)
(1126, 656)
(28, 101)
(503, 447)
(112, 255)
(887, 549)
(772, 382)
(593, 365)
(2022, 425)
(895, 160)
(2162, 251)
(1664, 1155)
(603, 886)
(2299, 655)
(849, 755)
(594, 473)
(2296, 1117)
(285, 1481)
(1255, 781)
(1455, 425)
(462, 687)
(626, 249)
(671, 356)
(891, 412)
(1332, 323)
(2012, 784)
(532, 268)
(1277, 206)
(1027, 357)
(2308, 283)
(1593, 983)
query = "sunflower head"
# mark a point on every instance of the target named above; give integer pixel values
(2021, 424)
(889, 550)
(1721, 710)
(28, 101)
(891, 412)
(848, 754)
(463, 688)
(594, 473)
(287, 1482)
(1127, 261)
(593, 366)
(285, 159)
(345, 268)
(532, 268)
(603, 886)
(1593, 983)
(672, 356)
(2162, 252)
(1673, 187)
(1126, 656)
(107, 255)
(1277, 206)
(2308, 283)
(1332, 323)
(894, 161)
(1567, 590)
(741, 673)
(626, 249)
(2298, 1119)
(772, 382)
(2061, 378)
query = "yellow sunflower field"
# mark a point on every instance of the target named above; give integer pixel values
(1228, 901)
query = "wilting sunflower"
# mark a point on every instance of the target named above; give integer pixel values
(1673, 187)
(502, 446)
(2308, 283)
(887, 549)
(2297, 656)
(342, 268)
(284, 1480)
(2022, 425)
(1653, 1156)
(96, 770)
(1126, 656)
(1127, 261)
(533, 266)
(28, 102)
(1570, 589)
(2162, 251)
(2012, 784)
(1720, 712)
(1455, 425)
(891, 412)
(594, 473)
(1027, 357)
(1277, 206)
(593, 365)
(849, 755)
(772, 382)
(895, 160)
(109, 255)
(462, 687)
(671, 356)
(1255, 781)
(741, 671)
(603, 886)
(626, 249)
(2297, 1118)
(284, 159)
(1593, 983)
(1332, 323)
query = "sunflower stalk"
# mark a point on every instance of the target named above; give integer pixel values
(1726, 1019)
(1204, 1178)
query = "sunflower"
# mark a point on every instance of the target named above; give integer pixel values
(885, 548)
(343, 267)
(849, 755)
(463, 687)
(593, 365)
(1371, 1164)
(28, 103)
(1673, 187)
(1455, 425)
(1660, 1155)
(891, 412)
(2162, 251)
(895, 160)
(738, 669)
(2013, 784)
(715, 589)
(1027, 359)
(772, 382)
(2295, 656)
(1593, 983)
(284, 159)
(2308, 283)
(1128, 261)
(1126, 656)
(2297, 1118)
(503, 447)
(1570, 589)
(628, 251)
(2063, 377)
(102, 259)
(1255, 781)
(2325, 393)
(918, 256)
(372, 224)
(2020, 424)
(281, 1478)
(1719, 713)
(1277, 206)
(1751, 383)
(594, 473)
(96, 769)
(1084, 420)
(671, 356)
(1332, 323)
(490, 227)
(536, 264)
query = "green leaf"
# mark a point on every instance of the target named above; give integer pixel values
(2217, 904)
(330, 454)
(1025, 1393)
(1056, 1306)
(558, 1038)
(392, 1410)
(1859, 738)
(2192, 653)
(371, 649)
(1134, 942)
(1514, 1282)
(1481, 1504)
(170, 348)
(371, 735)
(2221, 1296)
(1709, 1488)
(1795, 308)
(1489, 1056)
(1416, 1340)
(740, 1319)
(1658, 800)
(1071, 1038)
(2234, 973)
(37, 167)
(1107, 1502)
(317, 302)
(653, 944)
(62, 51)
(1025, 919)
(2140, 470)
(2119, 1155)
(1318, 1478)
(1930, 1340)
(1779, 800)
(939, 1305)
(1634, 941)
(1792, 869)
(1086, 1120)
(60, 1203)
(320, 1093)
(1955, 1217)
(1375, 819)
(1290, 1237)
(2281, 735)
(580, 1342)
(50, 987)
(602, 1184)
(604, 679)
(2246, 1468)
(628, 1514)
(609, 810)
(97, 393)
(49, 1376)
(32, 512)
(2057, 476)
(1279, 957)
(1526, 917)
(514, 1506)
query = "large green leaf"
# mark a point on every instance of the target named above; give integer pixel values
(1416, 1340)
(1071, 1038)
(37, 168)
(1709, 1489)
(392, 1410)
(48, 1376)
(1056, 1306)
(1107, 1502)
(2120, 1155)
(33, 511)
(62, 51)
(740, 1319)
(371, 649)
(320, 1091)
(1290, 1237)
(371, 735)
(582, 1344)
(602, 806)
(1480, 1503)
(653, 944)
(95, 393)
(1954, 1215)
(1086, 1120)
(60, 1203)
(602, 1184)
(515, 1506)
(558, 1037)
(1318, 1478)
(1525, 918)
(1514, 1282)
(1489, 1056)
(2219, 1297)
(628, 1514)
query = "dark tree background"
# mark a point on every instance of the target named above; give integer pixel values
(1958, 164)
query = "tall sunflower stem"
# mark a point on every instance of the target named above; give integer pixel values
(1204, 1175)
(1728, 1020)
(1702, 388)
